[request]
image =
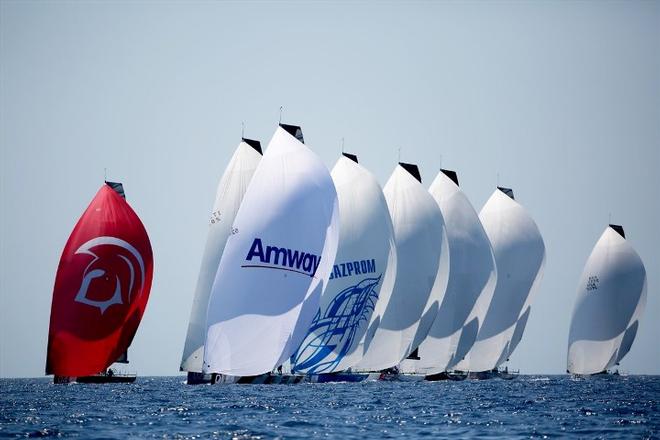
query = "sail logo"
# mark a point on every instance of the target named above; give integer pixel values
(335, 331)
(273, 257)
(96, 270)
(353, 268)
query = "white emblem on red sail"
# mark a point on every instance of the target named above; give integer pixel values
(91, 274)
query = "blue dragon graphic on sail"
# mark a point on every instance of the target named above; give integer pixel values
(336, 327)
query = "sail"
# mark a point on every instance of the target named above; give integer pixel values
(419, 237)
(610, 290)
(228, 197)
(472, 278)
(276, 263)
(101, 287)
(519, 254)
(366, 240)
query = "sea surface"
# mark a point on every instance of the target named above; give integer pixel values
(164, 407)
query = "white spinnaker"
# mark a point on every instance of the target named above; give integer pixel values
(610, 289)
(262, 301)
(228, 197)
(472, 279)
(519, 254)
(418, 234)
(366, 241)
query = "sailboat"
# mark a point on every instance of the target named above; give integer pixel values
(420, 282)
(101, 291)
(363, 274)
(520, 256)
(472, 278)
(610, 300)
(229, 195)
(276, 263)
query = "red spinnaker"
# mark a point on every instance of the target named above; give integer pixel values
(101, 288)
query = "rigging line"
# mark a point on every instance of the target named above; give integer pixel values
(281, 107)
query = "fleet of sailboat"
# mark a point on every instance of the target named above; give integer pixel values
(316, 275)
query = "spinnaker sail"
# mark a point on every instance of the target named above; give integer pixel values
(101, 287)
(365, 251)
(420, 240)
(276, 263)
(520, 255)
(610, 299)
(472, 278)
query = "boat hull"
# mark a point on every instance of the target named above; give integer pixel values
(268, 378)
(445, 376)
(195, 378)
(96, 378)
(343, 377)
(104, 378)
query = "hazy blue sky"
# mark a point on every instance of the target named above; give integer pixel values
(561, 99)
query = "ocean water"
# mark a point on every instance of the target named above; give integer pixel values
(164, 407)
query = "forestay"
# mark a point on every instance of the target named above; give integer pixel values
(276, 263)
(419, 237)
(366, 244)
(228, 197)
(610, 299)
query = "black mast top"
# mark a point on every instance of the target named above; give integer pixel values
(294, 131)
(350, 156)
(118, 187)
(619, 229)
(412, 169)
(254, 144)
(451, 174)
(507, 191)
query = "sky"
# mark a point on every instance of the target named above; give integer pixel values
(558, 100)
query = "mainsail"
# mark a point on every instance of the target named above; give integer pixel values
(228, 197)
(519, 254)
(366, 245)
(276, 263)
(610, 299)
(472, 278)
(101, 287)
(420, 240)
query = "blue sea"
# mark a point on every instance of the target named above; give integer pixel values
(164, 407)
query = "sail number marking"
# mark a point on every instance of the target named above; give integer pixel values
(592, 283)
(215, 217)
